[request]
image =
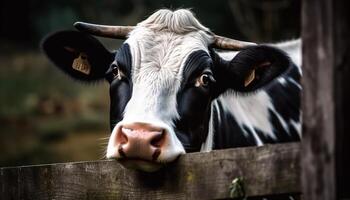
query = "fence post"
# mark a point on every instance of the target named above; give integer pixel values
(326, 97)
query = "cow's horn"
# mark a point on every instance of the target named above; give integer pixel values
(120, 32)
(117, 32)
(230, 44)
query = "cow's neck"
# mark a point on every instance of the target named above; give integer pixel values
(269, 116)
(253, 120)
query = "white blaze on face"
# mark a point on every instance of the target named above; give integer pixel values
(159, 47)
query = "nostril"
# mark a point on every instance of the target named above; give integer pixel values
(122, 137)
(121, 151)
(158, 140)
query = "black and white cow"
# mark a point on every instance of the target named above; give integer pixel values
(171, 92)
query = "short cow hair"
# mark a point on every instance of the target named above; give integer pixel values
(180, 21)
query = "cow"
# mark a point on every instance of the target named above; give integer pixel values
(176, 87)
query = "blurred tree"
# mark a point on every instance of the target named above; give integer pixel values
(27, 22)
(268, 20)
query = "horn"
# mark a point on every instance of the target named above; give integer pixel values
(230, 44)
(120, 32)
(117, 32)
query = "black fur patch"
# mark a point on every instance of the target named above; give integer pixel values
(64, 46)
(194, 103)
(120, 90)
(232, 74)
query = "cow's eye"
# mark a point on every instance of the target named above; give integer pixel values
(204, 80)
(116, 72)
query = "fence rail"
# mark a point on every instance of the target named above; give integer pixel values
(266, 170)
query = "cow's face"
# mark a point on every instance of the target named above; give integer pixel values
(162, 82)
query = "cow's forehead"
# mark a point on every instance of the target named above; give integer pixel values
(162, 42)
(164, 52)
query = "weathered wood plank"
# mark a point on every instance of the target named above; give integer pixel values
(318, 143)
(271, 169)
(326, 95)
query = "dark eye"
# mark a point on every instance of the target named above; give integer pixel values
(204, 80)
(115, 71)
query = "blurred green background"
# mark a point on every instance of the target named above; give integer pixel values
(47, 117)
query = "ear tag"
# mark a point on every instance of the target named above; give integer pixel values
(81, 64)
(249, 78)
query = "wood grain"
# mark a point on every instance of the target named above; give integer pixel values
(271, 169)
(318, 160)
(326, 95)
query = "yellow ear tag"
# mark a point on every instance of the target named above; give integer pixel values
(81, 64)
(249, 78)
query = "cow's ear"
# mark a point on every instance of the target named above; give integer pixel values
(252, 68)
(79, 55)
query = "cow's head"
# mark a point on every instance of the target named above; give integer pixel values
(162, 81)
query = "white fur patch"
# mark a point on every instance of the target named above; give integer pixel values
(294, 82)
(297, 126)
(281, 120)
(209, 142)
(282, 80)
(227, 55)
(293, 49)
(251, 111)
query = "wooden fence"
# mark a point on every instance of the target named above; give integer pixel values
(319, 169)
(271, 169)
